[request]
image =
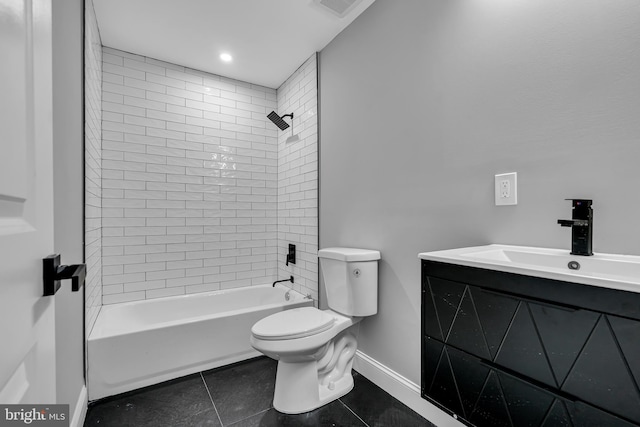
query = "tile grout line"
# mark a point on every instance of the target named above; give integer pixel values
(356, 415)
(251, 416)
(211, 399)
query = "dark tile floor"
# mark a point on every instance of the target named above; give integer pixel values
(241, 395)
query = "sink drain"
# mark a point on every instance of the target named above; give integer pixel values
(573, 265)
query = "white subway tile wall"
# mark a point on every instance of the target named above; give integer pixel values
(93, 167)
(298, 178)
(189, 180)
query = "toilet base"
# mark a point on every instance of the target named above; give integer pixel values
(302, 386)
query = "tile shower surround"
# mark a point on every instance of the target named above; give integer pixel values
(298, 178)
(189, 181)
(93, 166)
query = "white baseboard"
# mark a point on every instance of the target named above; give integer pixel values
(80, 411)
(401, 388)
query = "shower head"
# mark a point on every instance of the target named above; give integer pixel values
(277, 120)
(293, 138)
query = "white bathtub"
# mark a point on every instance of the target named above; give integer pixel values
(141, 343)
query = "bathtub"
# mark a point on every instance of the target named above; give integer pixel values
(141, 343)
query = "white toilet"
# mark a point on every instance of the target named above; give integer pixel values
(315, 348)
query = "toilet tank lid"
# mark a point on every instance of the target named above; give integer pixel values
(349, 254)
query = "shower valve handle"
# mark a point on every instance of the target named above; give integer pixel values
(291, 255)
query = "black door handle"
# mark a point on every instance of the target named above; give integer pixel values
(53, 273)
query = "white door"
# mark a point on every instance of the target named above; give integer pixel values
(27, 349)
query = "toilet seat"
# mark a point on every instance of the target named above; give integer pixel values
(291, 324)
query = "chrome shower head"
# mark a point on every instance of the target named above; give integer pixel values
(277, 120)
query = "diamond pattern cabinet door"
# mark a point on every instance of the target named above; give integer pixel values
(466, 332)
(470, 376)
(587, 416)
(491, 410)
(558, 416)
(431, 323)
(490, 397)
(564, 333)
(432, 352)
(496, 358)
(446, 297)
(527, 405)
(601, 375)
(495, 312)
(627, 333)
(444, 389)
(522, 350)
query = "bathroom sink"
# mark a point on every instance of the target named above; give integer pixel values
(603, 270)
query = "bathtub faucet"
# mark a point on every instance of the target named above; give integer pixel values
(290, 279)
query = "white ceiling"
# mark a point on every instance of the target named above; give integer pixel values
(268, 39)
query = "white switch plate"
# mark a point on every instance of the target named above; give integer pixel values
(507, 189)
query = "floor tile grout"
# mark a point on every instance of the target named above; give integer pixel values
(351, 410)
(250, 416)
(211, 399)
(256, 407)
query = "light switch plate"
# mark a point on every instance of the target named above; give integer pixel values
(506, 192)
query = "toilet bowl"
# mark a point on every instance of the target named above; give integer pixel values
(315, 348)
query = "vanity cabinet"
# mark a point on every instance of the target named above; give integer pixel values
(503, 349)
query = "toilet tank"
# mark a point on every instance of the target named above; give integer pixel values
(351, 280)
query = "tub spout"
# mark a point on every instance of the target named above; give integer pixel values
(290, 279)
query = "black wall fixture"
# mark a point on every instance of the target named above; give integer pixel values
(501, 349)
(279, 120)
(53, 273)
(291, 254)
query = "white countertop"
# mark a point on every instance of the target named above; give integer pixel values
(603, 270)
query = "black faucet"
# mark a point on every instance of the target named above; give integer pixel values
(290, 279)
(581, 227)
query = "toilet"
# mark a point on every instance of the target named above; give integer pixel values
(315, 348)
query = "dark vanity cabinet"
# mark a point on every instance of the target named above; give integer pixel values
(502, 349)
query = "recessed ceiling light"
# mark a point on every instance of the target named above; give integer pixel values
(226, 57)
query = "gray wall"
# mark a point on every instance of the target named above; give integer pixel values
(68, 192)
(423, 102)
